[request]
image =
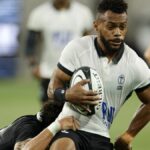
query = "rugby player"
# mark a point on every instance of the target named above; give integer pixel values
(20, 133)
(56, 22)
(122, 72)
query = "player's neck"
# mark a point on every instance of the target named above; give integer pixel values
(107, 53)
(61, 6)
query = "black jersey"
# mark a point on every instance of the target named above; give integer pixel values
(21, 129)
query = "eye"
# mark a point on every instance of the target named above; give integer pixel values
(110, 27)
(122, 26)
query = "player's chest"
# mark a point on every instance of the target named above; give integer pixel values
(59, 20)
(115, 77)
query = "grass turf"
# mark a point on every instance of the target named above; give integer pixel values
(20, 96)
(17, 97)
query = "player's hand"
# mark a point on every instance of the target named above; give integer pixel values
(36, 72)
(78, 95)
(123, 143)
(69, 123)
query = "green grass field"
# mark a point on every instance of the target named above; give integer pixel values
(20, 96)
(17, 97)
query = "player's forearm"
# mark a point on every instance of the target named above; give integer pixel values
(20, 145)
(40, 142)
(141, 118)
(58, 79)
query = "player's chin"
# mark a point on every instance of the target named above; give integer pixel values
(115, 48)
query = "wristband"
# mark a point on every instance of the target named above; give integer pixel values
(54, 127)
(59, 95)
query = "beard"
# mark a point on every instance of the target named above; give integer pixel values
(108, 47)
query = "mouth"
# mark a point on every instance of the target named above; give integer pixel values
(116, 42)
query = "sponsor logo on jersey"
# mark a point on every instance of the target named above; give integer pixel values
(121, 80)
(107, 114)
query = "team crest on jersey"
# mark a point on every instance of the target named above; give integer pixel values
(121, 80)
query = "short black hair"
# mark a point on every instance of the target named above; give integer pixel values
(50, 112)
(117, 6)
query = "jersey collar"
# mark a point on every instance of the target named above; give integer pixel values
(38, 116)
(102, 54)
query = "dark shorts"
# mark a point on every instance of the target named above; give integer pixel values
(85, 141)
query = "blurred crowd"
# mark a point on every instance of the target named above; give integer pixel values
(10, 23)
(14, 15)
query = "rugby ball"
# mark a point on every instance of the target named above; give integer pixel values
(95, 85)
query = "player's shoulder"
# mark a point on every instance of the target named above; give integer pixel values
(26, 123)
(25, 120)
(78, 46)
(83, 42)
(41, 8)
(133, 59)
(130, 53)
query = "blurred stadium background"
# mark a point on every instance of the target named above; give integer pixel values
(19, 92)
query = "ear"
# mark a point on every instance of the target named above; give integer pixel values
(95, 25)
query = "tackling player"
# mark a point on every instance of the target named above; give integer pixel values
(22, 130)
(122, 72)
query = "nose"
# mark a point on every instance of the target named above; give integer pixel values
(117, 32)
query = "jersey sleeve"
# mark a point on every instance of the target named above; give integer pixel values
(27, 131)
(67, 61)
(142, 75)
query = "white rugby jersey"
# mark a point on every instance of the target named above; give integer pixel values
(58, 28)
(125, 73)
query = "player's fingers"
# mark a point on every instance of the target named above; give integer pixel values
(86, 108)
(77, 124)
(73, 124)
(83, 82)
(68, 124)
(90, 93)
(91, 98)
(96, 102)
